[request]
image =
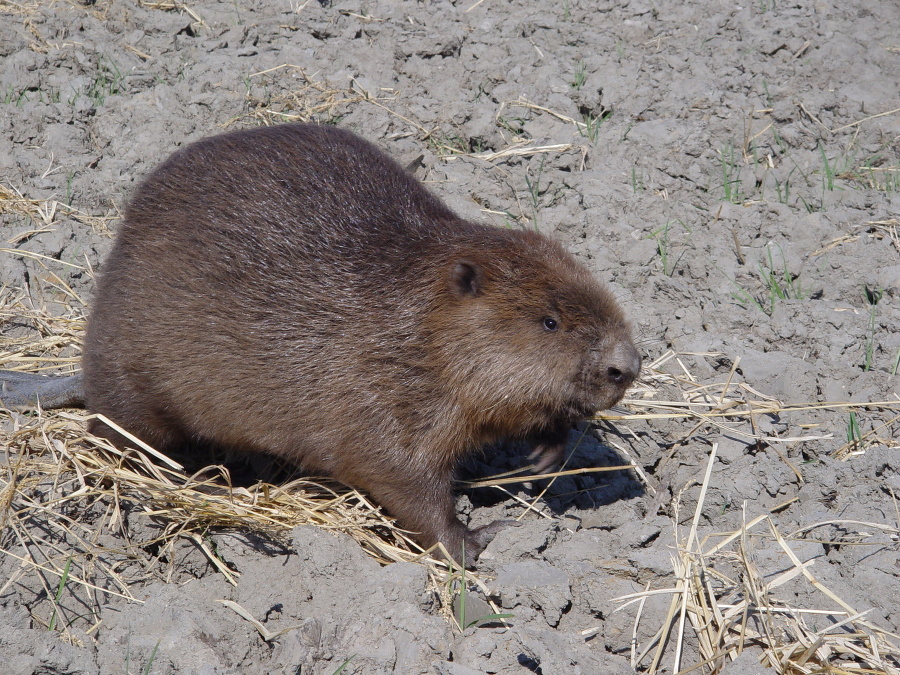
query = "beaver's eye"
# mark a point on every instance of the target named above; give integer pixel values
(550, 324)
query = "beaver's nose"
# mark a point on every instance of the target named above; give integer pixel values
(624, 365)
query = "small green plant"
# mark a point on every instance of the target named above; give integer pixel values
(875, 173)
(896, 362)
(783, 188)
(449, 144)
(810, 208)
(872, 297)
(149, 664)
(765, 86)
(780, 284)
(781, 143)
(580, 76)
(13, 95)
(333, 119)
(590, 125)
(827, 172)
(462, 620)
(341, 667)
(537, 195)
(745, 298)
(731, 174)
(534, 191)
(725, 505)
(854, 435)
(662, 247)
(107, 81)
(514, 125)
(20, 96)
(63, 579)
(128, 652)
(637, 181)
(509, 220)
(69, 179)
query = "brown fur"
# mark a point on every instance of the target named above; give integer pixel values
(292, 290)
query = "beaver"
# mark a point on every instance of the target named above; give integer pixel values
(293, 290)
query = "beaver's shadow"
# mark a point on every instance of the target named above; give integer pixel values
(582, 491)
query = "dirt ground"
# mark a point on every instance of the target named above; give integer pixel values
(731, 169)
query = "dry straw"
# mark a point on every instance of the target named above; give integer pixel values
(720, 594)
(308, 99)
(731, 606)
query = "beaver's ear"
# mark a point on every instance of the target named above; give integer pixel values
(466, 279)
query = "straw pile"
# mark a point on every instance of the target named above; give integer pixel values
(269, 101)
(732, 605)
(720, 593)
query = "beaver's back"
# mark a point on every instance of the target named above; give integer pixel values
(254, 268)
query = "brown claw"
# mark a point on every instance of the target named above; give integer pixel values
(550, 456)
(550, 446)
